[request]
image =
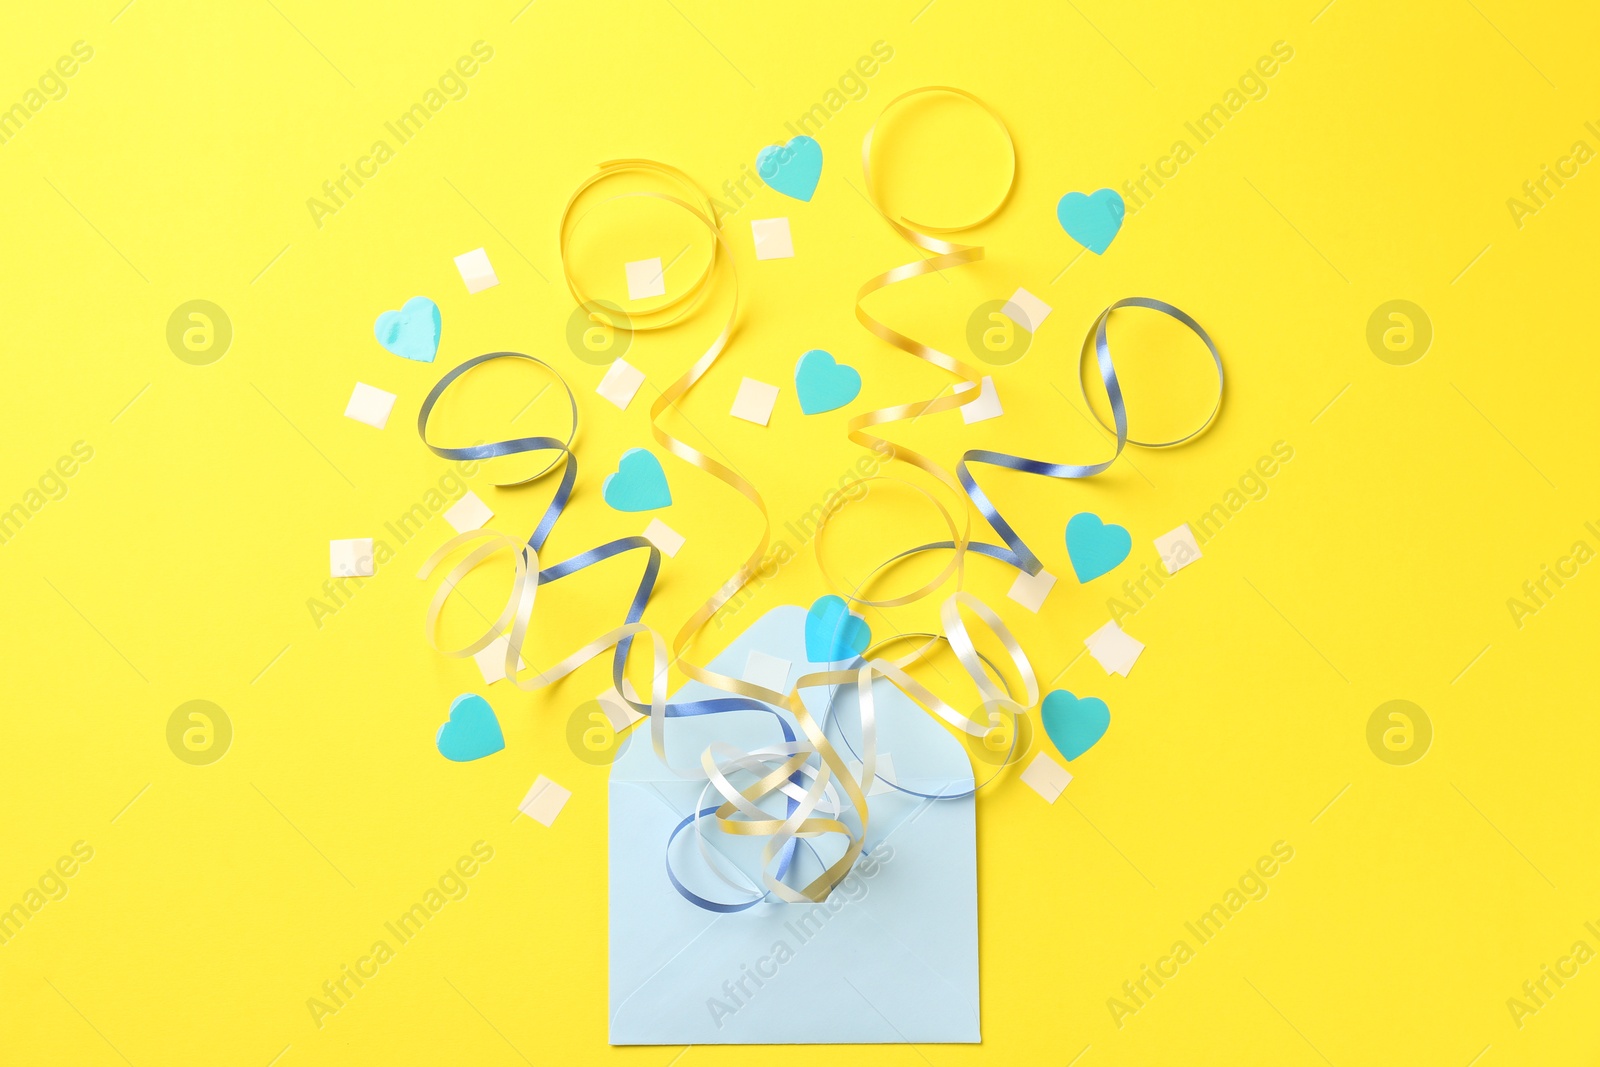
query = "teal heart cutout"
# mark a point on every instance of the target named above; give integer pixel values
(793, 169)
(1092, 220)
(413, 331)
(639, 484)
(1094, 546)
(1074, 723)
(834, 632)
(472, 731)
(823, 384)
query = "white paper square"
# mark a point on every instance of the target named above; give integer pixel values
(1046, 777)
(663, 537)
(1029, 590)
(544, 801)
(769, 672)
(1113, 649)
(755, 401)
(468, 513)
(370, 405)
(772, 237)
(618, 711)
(351, 558)
(880, 779)
(621, 381)
(1178, 548)
(476, 271)
(985, 406)
(491, 660)
(646, 278)
(1026, 310)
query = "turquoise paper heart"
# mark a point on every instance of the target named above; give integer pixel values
(1093, 220)
(413, 331)
(824, 385)
(793, 169)
(639, 484)
(834, 632)
(1094, 546)
(1074, 723)
(472, 732)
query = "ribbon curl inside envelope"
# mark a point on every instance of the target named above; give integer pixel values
(902, 925)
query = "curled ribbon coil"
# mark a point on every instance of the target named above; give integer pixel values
(1014, 551)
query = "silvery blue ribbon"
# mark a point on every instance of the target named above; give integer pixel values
(590, 557)
(1015, 551)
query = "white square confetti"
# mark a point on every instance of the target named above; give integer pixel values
(881, 777)
(621, 381)
(618, 711)
(476, 271)
(769, 672)
(663, 537)
(370, 405)
(755, 401)
(1026, 310)
(468, 513)
(1113, 649)
(491, 660)
(646, 278)
(351, 558)
(772, 238)
(1177, 548)
(1029, 590)
(544, 801)
(986, 405)
(1046, 777)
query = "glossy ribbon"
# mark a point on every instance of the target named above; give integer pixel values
(1014, 551)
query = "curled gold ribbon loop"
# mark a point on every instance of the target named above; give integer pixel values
(946, 254)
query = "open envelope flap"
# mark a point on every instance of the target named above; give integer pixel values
(927, 758)
(903, 935)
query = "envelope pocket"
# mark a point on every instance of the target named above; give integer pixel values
(891, 956)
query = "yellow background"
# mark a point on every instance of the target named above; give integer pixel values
(1377, 567)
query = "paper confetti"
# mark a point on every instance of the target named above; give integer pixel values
(664, 537)
(1046, 777)
(476, 271)
(351, 558)
(772, 238)
(1113, 649)
(985, 406)
(1026, 310)
(468, 513)
(544, 801)
(370, 405)
(1029, 590)
(621, 381)
(491, 660)
(1177, 548)
(646, 278)
(769, 672)
(618, 711)
(755, 401)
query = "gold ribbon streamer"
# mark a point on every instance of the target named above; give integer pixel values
(946, 254)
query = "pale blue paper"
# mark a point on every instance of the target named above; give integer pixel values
(898, 963)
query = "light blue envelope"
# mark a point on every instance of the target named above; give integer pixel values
(891, 956)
